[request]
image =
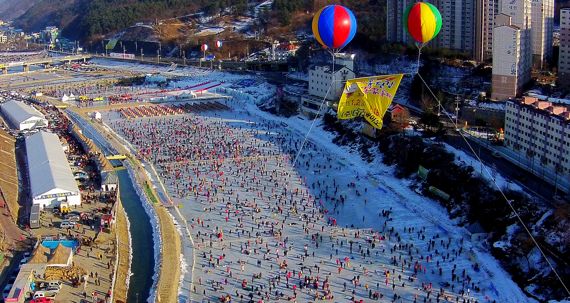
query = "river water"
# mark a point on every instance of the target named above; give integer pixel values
(142, 243)
(142, 267)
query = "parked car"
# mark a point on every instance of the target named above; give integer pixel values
(72, 217)
(44, 294)
(54, 285)
(6, 291)
(41, 300)
(66, 224)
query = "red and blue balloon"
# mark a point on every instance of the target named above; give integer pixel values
(334, 26)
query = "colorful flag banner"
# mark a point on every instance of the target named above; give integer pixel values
(369, 98)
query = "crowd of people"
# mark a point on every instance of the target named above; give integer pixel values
(268, 229)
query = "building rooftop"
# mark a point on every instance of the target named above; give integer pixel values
(47, 164)
(19, 112)
(546, 107)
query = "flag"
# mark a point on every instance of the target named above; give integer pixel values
(369, 98)
(111, 44)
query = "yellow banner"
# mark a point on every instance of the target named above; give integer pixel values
(368, 98)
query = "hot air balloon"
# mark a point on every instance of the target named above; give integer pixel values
(423, 22)
(204, 47)
(219, 44)
(334, 26)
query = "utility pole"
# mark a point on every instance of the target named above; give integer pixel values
(456, 110)
(184, 57)
(142, 54)
(158, 56)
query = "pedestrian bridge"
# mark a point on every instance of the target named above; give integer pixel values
(116, 157)
(45, 61)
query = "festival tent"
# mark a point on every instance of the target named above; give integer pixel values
(40, 256)
(51, 180)
(23, 116)
(61, 256)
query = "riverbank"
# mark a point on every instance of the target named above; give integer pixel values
(169, 271)
(123, 248)
(123, 268)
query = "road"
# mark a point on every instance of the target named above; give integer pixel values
(510, 171)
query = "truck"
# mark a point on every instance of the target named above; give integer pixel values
(35, 216)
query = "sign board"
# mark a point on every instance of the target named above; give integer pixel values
(58, 195)
(122, 55)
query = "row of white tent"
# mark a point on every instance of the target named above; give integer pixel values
(67, 98)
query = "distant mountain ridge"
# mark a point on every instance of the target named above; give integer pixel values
(91, 19)
(12, 9)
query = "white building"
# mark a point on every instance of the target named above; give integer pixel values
(539, 133)
(22, 116)
(564, 51)
(325, 87)
(282, 51)
(512, 49)
(542, 30)
(51, 179)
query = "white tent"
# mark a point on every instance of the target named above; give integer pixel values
(51, 179)
(23, 116)
(65, 98)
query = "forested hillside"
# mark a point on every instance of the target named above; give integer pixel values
(90, 19)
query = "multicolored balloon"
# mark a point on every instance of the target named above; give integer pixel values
(423, 21)
(334, 26)
(219, 44)
(204, 47)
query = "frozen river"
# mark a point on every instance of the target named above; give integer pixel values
(329, 227)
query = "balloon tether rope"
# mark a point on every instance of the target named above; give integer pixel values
(319, 111)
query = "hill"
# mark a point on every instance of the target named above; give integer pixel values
(89, 20)
(10, 9)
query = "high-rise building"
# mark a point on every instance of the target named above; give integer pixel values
(395, 30)
(542, 30)
(458, 24)
(512, 49)
(564, 51)
(485, 12)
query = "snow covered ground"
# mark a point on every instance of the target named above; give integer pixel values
(488, 173)
(324, 173)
